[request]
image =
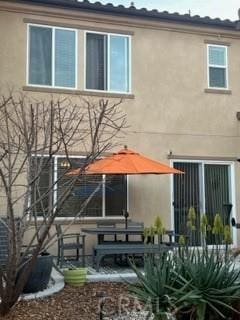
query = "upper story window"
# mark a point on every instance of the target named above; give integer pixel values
(52, 57)
(107, 62)
(217, 67)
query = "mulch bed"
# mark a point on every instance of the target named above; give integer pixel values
(76, 303)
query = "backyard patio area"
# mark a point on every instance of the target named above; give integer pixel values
(113, 299)
(99, 220)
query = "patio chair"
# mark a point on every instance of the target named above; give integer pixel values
(68, 242)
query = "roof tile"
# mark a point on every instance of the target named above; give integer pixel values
(131, 11)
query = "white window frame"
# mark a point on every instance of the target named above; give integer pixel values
(217, 66)
(55, 190)
(108, 61)
(232, 190)
(29, 25)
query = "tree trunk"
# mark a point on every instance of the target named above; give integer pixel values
(6, 305)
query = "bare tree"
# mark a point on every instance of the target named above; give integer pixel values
(32, 132)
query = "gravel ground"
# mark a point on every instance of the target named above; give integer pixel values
(135, 315)
(81, 303)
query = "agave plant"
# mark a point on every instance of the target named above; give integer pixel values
(154, 285)
(199, 284)
(207, 284)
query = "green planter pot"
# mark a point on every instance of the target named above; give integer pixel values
(75, 277)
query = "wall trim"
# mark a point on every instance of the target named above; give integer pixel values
(218, 91)
(79, 92)
(121, 21)
(76, 26)
(218, 42)
(207, 158)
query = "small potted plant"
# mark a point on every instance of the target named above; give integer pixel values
(75, 276)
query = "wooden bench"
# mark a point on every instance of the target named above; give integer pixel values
(102, 250)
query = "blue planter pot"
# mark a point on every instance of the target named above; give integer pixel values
(40, 275)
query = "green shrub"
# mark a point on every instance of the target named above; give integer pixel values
(191, 283)
(196, 284)
(211, 283)
(154, 286)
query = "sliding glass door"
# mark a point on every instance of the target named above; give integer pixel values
(207, 188)
(187, 193)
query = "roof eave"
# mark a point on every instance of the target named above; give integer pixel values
(120, 10)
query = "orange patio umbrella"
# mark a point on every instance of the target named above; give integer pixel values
(126, 162)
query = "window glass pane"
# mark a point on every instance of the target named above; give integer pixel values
(96, 57)
(40, 56)
(83, 189)
(65, 58)
(42, 169)
(217, 194)
(116, 195)
(119, 63)
(217, 56)
(217, 77)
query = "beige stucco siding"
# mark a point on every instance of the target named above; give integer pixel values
(170, 110)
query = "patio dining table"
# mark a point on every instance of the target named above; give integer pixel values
(100, 232)
(124, 248)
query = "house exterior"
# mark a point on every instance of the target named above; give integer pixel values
(179, 76)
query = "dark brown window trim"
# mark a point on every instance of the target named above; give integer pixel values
(218, 91)
(217, 42)
(80, 92)
(77, 26)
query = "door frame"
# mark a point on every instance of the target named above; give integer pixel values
(232, 172)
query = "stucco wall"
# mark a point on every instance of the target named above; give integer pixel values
(170, 110)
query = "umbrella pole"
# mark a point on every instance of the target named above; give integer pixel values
(126, 215)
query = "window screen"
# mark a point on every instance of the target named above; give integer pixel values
(83, 189)
(116, 195)
(96, 72)
(42, 185)
(40, 56)
(65, 58)
(217, 59)
(52, 57)
(119, 63)
(107, 62)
